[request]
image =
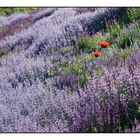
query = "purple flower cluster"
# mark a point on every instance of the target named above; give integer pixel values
(31, 101)
(103, 106)
(60, 29)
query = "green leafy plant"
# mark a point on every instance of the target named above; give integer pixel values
(113, 31)
(66, 50)
(73, 69)
(85, 44)
(134, 13)
(89, 44)
(53, 72)
(82, 80)
(4, 53)
(126, 53)
(124, 41)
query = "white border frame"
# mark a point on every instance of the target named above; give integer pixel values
(69, 3)
(60, 3)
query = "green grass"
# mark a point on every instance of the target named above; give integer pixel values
(9, 11)
(89, 44)
(134, 13)
(126, 53)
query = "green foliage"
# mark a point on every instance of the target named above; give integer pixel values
(124, 41)
(133, 111)
(126, 53)
(128, 120)
(89, 44)
(85, 44)
(134, 13)
(53, 72)
(67, 69)
(9, 11)
(127, 37)
(82, 80)
(124, 35)
(113, 31)
(119, 35)
(85, 58)
(122, 38)
(66, 50)
(73, 69)
(4, 53)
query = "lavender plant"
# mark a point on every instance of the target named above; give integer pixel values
(59, 36)
(47, 92)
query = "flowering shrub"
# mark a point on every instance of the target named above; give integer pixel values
(50, 34)
(48, 87)
(106, 104)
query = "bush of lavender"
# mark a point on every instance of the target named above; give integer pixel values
(107, 104)
(63, 35)
(60, 90)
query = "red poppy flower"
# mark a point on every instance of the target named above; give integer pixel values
(96, 54)
(104, 44)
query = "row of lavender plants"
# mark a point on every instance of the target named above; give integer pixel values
(49, 31)
(31, 101)
(10, 24)
(17, 22)
(107, 104)
(45, 66)
(22, 75)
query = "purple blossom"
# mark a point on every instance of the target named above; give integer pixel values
(31, 101)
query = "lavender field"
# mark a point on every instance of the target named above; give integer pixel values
(70, 70)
